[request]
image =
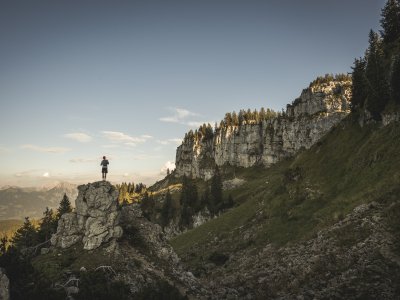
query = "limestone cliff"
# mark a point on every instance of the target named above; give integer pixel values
(269, 140)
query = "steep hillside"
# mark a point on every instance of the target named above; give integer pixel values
(314, 222)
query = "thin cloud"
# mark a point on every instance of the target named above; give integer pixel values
(120, 137)
(83, 160)
(195, 124)
(45, 149)
(26, 173)
(180, 115)
(79, 137)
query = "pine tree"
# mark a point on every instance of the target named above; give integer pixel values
(48, 225)
(378, 95)
(26, 236)
(216, 192)
(65, 207)
(188, 201)
(147, 205)
(205, 199)
(390, 21)
(167, 210)
(359, 87)
(395, 79)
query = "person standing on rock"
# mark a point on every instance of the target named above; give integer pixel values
(104, 167)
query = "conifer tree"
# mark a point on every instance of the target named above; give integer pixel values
(26, 236)
(65, 207)
(359, 86)
(395, 79)
(216, 192)
(147, 205)
(167, 210)
(205, 199)
(48, 225)
(188, 201)
(378, 95)
(390, 21)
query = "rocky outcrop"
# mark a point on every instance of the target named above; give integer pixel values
(265, 142)
(133, 250)
(95, 220)
(4, 285)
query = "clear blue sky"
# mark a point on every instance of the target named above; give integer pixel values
(127, 79)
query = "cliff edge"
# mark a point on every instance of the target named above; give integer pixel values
(267, 140)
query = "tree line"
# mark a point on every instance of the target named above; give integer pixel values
(189, 203)
(128, 192)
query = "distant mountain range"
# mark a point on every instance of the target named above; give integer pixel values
(19, 202)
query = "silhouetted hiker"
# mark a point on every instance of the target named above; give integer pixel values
(104, 170)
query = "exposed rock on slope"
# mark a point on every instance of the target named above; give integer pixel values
(306, 120)
(356, 258)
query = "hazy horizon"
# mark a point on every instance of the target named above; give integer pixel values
(80, 80)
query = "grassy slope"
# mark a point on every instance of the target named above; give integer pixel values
(294, 199)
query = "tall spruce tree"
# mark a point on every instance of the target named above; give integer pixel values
(359, 86)
(65, 207)
(216, 192)
(390, 21)
(147, 205)
(167, 212)
(395, 79)
(48, 225)
(188, 201)
(378, 87)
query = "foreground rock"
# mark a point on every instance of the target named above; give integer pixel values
(95, 220)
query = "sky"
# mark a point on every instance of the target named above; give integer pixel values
(127, 79)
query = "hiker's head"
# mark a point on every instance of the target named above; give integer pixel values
(104, 157)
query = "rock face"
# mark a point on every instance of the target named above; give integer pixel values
(4, 285)
(307, 119)
(95, 220)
